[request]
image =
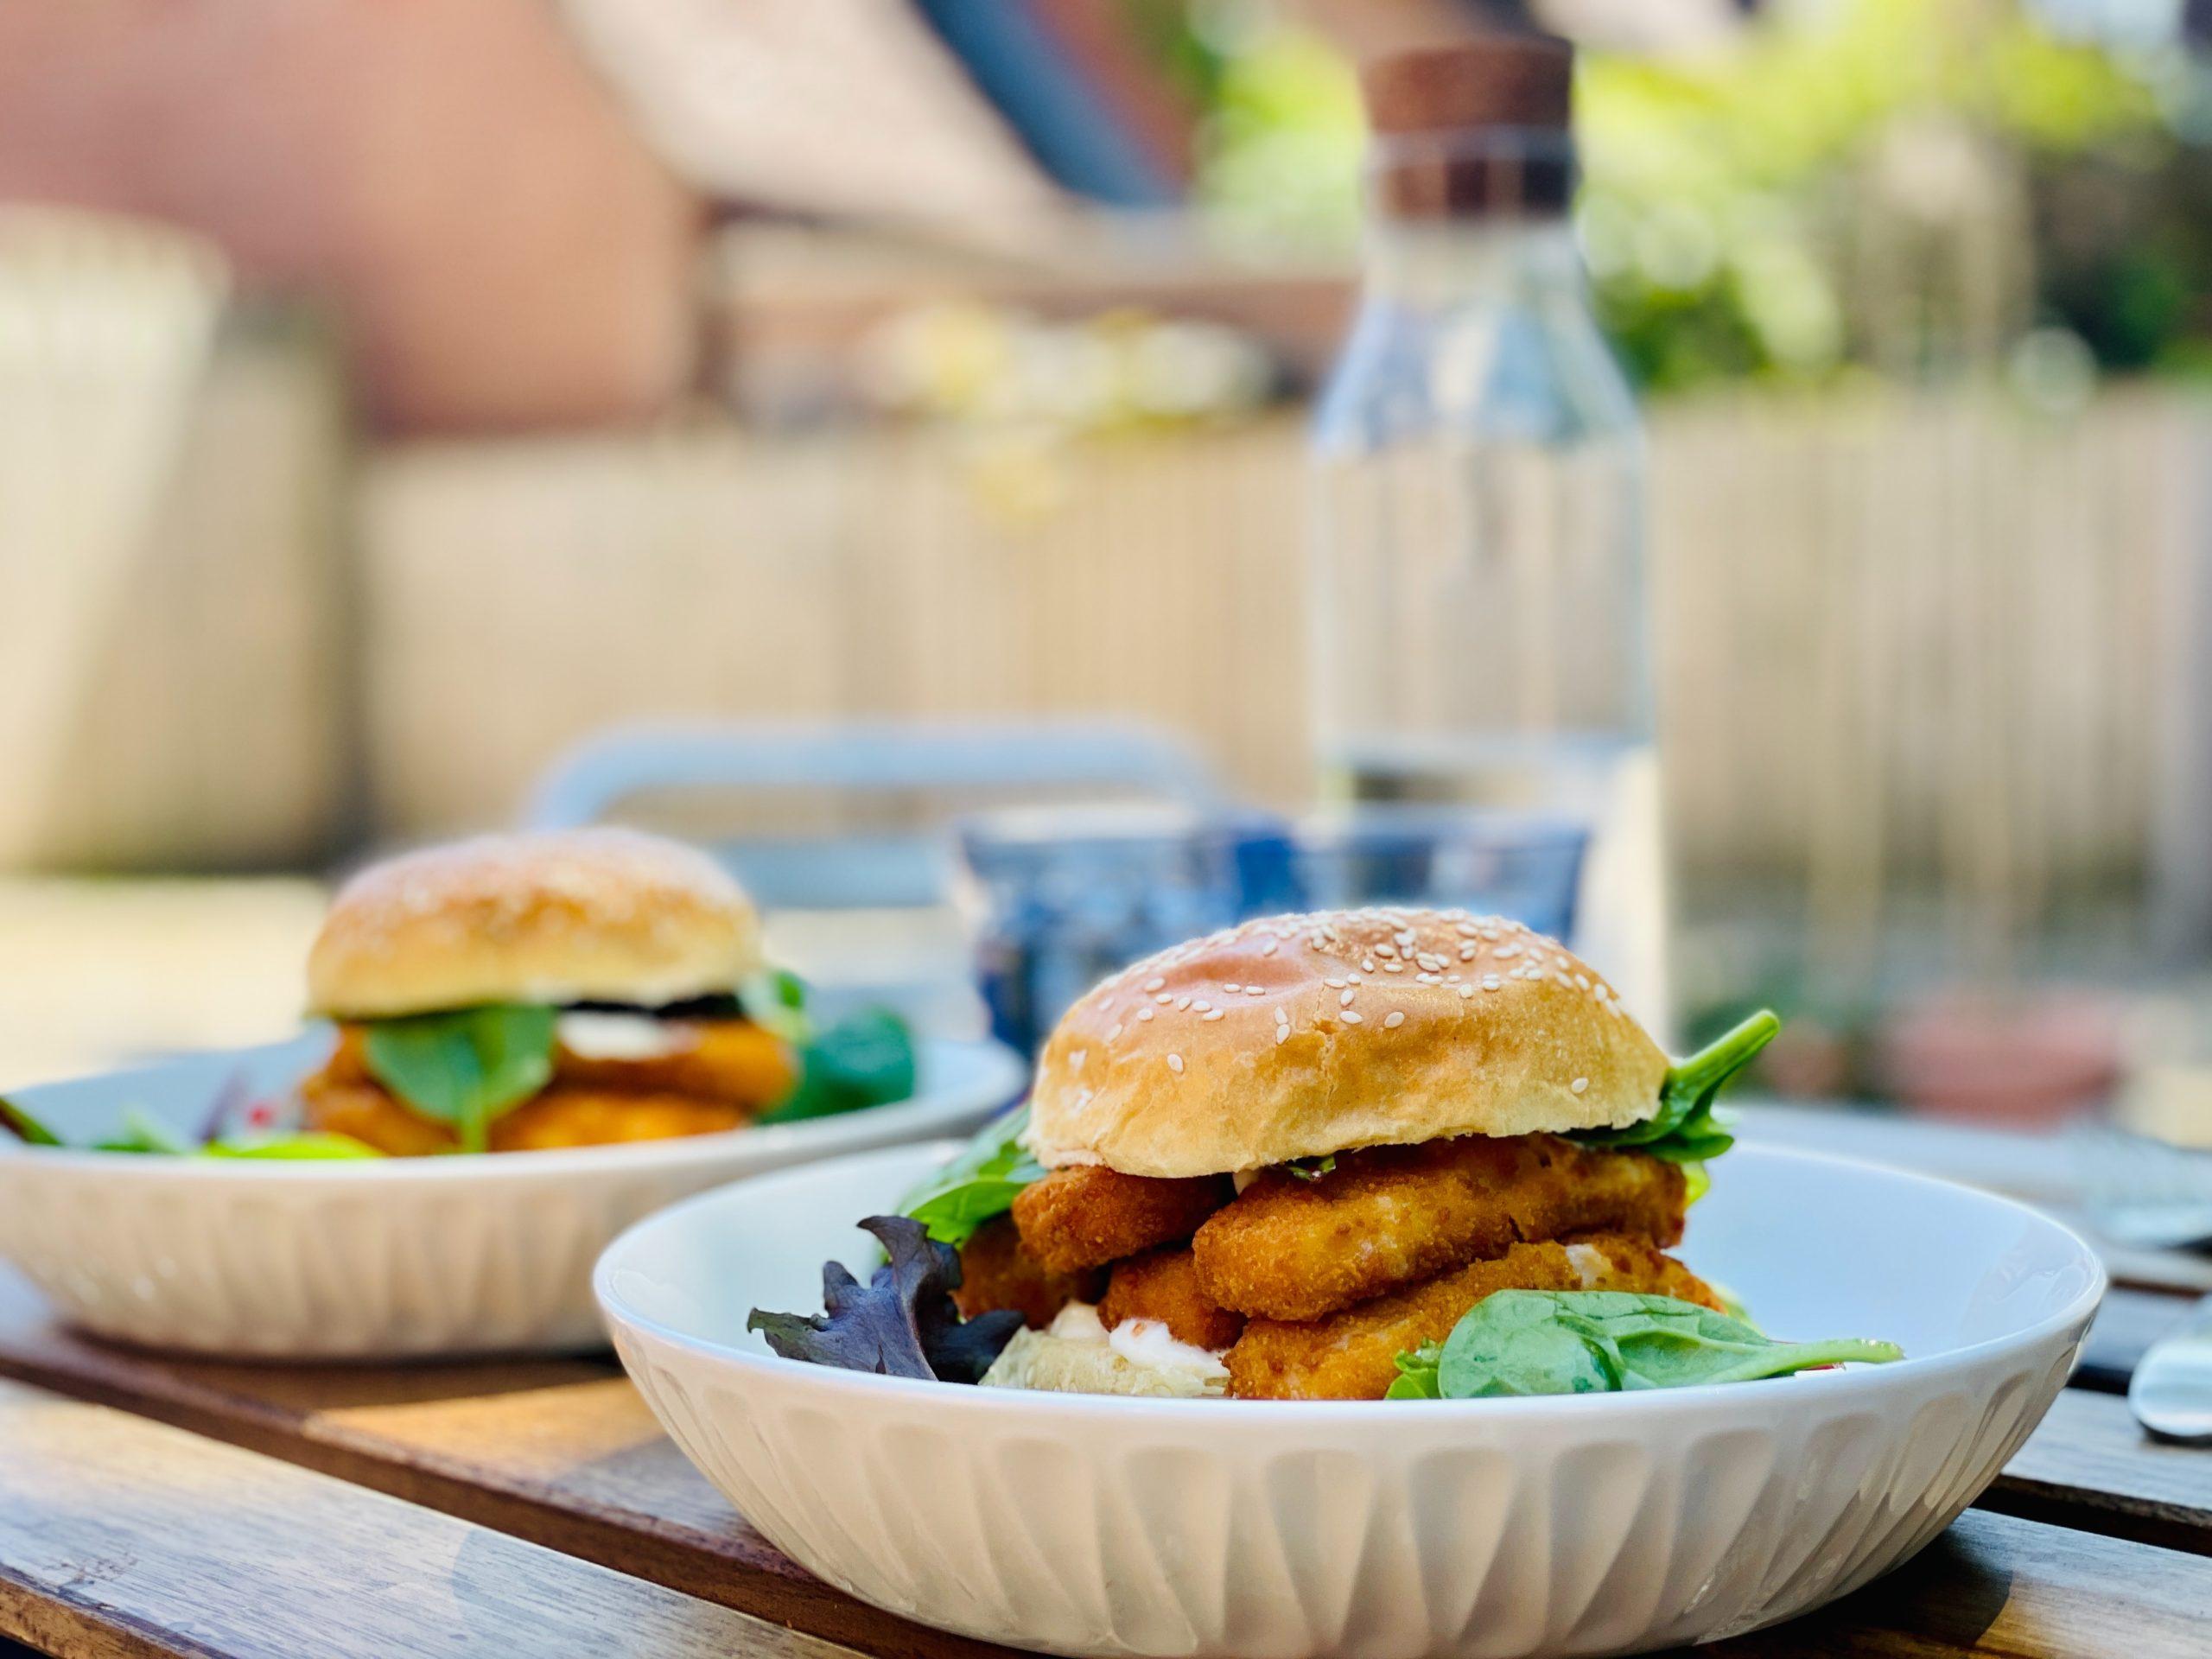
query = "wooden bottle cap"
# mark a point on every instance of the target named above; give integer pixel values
(1492, 80)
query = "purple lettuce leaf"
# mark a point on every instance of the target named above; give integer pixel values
(901, 1323)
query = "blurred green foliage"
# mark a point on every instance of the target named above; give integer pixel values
(1908, 184)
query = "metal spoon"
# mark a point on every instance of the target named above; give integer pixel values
(2171, 1393)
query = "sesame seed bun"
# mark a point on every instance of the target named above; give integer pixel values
(578, 916)
(1296, 1036)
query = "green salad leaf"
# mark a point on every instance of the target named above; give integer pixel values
(978, 1186)
(25, 1128)
(1531, 1342)
(775, 1000)
(1686, 1129)
(1310, 1169)
(143, 1134)
(464, 1068)
(866, 1059)
(312, 1146)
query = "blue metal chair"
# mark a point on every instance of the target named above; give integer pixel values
(908, 865)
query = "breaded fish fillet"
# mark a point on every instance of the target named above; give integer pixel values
(1394, 1216)
(1163, 1285)
(1087, 1216)
(560, 1117)
(996, 1272)
(729, 1060)
(1352, 1355)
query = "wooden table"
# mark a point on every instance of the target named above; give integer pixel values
(160, 1506)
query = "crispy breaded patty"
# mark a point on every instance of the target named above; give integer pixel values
(1163, 1285)
(559, 1118)
(732, 1061)
(1394, 1216)
(996, 1272)
(1087, 1216)
(1352, 1355)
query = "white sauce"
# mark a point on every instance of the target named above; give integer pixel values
(1590, 1263)
(620, 1036)
(1142, 1342)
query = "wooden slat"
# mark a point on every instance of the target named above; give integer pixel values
(2090, 1465)
(120, 1537)
(1999, 1585)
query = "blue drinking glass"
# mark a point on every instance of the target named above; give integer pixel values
(1060, 897)
(1520, 866)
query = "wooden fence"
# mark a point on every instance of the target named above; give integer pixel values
(1927, 643)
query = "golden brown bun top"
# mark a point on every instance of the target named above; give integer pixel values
(1295, 1036)
(572, 916)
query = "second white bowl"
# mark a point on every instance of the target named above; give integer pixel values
(386, 1258)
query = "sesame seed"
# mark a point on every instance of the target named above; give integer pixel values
(1202, 1005)
(1334, 984)
(1344, 999)
(1175, 1064)
(1212, 1013)
(1352, 1016)
(1181, 1003)
(1354, 979)
(1427, 979)
(1492, 983)
(1466, 930)
(1113, 1031)
(1367, 964)
(1254, 990)
(1466, 991)
(1582, 981)
(1579, 1085)
(1144, 1014)
(1393, 966)
(1468, 952)
(1232, 987)
(1163, 998)
(1282, 1033)
(1507, 950)
(1154, 983)
(1392, 1020)
(1386, 950)
(1431, 963)
(1270, 947)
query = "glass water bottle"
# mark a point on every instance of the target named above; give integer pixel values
(1481, 614)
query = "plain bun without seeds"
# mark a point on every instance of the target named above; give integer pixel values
(570, 915)
(1297, 1036)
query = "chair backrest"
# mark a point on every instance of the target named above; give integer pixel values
(905, 864)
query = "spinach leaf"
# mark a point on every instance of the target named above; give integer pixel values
(1532, 1342)
(865, 1060)
(1686, 1129)
(901, 1323)
(979, 1184)
(25, 1128)
(467, 1067)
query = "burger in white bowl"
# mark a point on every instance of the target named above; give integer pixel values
(1347, 1156)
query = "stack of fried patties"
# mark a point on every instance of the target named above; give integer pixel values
(1313, 1142)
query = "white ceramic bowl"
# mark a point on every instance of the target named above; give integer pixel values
(387, 1258)
(1581, 1525)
